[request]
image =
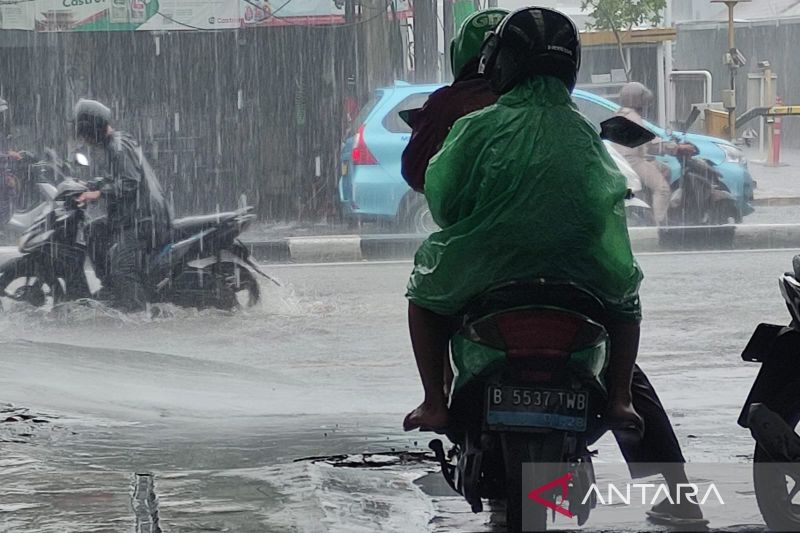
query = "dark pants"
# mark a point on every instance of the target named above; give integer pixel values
(659, 444)
(127, 261)
(98, 243)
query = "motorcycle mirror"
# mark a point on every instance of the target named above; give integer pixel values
(622, 131)
(81, 159)
(408, 115)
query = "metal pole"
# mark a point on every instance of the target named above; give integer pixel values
(771, 121)
(731, 46)
(734, 61)
(426, 50)
(447, 22)
(662, 99)
(668, 106)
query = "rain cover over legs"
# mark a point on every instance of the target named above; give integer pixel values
(525, 189)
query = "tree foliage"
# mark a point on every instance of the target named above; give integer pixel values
(619, 16)
(623, 15)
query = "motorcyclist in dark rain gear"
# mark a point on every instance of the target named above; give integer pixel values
(139, 218)
(9, 186)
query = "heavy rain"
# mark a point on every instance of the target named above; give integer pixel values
(241, 240)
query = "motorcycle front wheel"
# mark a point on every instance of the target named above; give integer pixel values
(20, 280)
(35, 291)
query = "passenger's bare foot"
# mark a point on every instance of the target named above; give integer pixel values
(426, 418)
(622, 416)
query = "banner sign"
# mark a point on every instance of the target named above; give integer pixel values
(168, 15)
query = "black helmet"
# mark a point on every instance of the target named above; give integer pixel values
(530, 41)
(91, 120)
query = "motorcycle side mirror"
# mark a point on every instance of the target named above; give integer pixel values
(408, 115)
(625, 132)
(81, 159)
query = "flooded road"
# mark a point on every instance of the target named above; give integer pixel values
(218, 405)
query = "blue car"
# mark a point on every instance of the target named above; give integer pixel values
(372, 188)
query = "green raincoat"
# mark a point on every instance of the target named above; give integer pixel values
(525, 189)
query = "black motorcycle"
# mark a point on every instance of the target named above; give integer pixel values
(205, 265)
(699, 196)
(528, 396)
(772, 411)
(527, 401)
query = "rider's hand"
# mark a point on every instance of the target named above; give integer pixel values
(687, 149)
(88, 196)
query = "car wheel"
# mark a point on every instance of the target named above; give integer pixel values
(415, 215)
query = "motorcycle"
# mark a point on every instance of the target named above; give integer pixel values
(699, 196)
(528, 393)
(772, 411)
(204, 265)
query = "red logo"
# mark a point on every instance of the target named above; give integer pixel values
(562, 482)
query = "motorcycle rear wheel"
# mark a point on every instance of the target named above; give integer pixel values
(240, 288)
(36, 292)
(544, 451)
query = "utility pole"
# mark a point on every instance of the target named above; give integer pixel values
(665, 109)
(734, 60)
(448, 23)
(426, 48)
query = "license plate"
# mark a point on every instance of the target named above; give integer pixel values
(509, 406)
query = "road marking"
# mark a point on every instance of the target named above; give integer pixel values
(715, 252)
(340, 263)
(411, 262)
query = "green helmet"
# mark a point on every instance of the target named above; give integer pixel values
(467, 43)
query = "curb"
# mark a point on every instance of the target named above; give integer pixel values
(776, 201)
(354, 248)
(336, 248)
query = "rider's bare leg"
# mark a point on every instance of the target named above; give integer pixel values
(430, 337)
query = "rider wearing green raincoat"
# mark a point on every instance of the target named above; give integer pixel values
(525, 188)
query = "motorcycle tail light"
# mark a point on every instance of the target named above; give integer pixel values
(540, 333)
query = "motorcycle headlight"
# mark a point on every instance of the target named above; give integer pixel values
(733, 154)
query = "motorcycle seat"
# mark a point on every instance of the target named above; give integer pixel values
(195, 224)
(541, 292)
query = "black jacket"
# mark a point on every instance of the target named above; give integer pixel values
(135, 198)
(431, 124)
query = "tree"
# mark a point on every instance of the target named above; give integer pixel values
(620, 16)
